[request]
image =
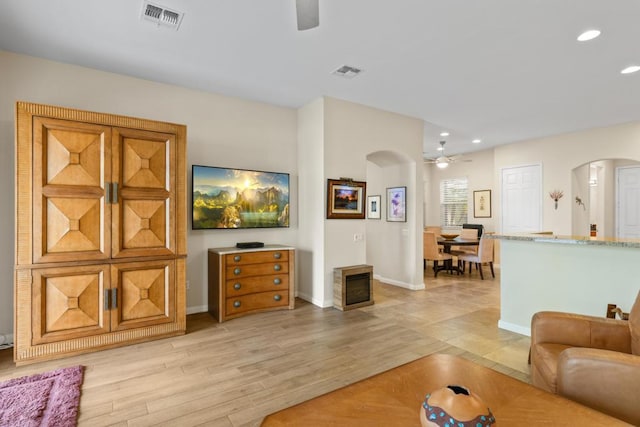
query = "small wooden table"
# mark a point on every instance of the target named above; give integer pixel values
(394, 398)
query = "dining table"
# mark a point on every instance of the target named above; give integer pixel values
(447, 243)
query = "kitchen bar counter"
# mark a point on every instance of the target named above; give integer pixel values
(575, 274)
(570, 240)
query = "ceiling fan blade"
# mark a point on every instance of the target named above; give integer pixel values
(308, 14)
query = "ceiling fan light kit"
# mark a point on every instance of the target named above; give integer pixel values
(443, 161)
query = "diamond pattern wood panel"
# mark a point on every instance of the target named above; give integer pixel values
(74, 158)
(145, 224)
(68, 302)
(145, 293)
(144, 163)
(73, 225)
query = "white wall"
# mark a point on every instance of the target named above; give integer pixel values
(221, 131)
(391, 245)
(352, 132)
(580, 218)
(310, 253)
(559, 155)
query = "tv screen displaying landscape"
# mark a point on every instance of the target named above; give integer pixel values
(225, 198)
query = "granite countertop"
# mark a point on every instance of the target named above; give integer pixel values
(572, 240)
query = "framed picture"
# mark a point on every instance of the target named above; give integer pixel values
(373, 207)
(397, 204)
(482, 204)
(345, 199)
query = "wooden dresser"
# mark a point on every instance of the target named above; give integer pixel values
(246, 281)
(100, 231)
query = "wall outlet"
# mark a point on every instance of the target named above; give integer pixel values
(358, 237)
(188, 285)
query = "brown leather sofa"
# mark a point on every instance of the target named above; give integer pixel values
(591, 360)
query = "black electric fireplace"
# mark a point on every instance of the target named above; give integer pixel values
(352, 287)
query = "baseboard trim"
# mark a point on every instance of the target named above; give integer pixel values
(398, 283)
(197, 309)
(316, 302)
(522, 330)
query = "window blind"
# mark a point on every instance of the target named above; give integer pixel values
(453, 202)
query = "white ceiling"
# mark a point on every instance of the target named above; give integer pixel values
(499, 70)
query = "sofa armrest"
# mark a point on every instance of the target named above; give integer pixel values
(607, 381)
(577, 330)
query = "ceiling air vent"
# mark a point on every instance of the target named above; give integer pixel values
(347, 71)
(161, 15)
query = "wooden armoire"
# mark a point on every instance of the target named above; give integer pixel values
(100, 231)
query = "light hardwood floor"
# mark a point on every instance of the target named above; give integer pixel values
(235, 373)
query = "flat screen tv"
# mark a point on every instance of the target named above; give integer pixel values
(225, 198)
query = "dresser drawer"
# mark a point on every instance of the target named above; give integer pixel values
(262, 300)
(249, 285)
(248, 270)
(256, 257)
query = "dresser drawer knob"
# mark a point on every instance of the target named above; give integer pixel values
(277, 267)
(236, 258)
(277, 255)
(237, 286)
(277, 281)
(277, 297)
(236, 271)
(236, 304)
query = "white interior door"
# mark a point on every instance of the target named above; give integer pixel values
(628, 206)
(521, 199)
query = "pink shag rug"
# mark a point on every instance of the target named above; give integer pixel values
(49, 399)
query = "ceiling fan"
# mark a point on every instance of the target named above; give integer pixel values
(308, 14)
(443, 161)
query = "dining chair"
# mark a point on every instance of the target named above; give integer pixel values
(431, 251)
(484, 256)
(436, 229)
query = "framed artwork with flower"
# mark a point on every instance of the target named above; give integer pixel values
(397, 204)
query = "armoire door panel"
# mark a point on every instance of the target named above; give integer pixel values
(143, 220)
(145, 294)
(70, 162)
(68, 302)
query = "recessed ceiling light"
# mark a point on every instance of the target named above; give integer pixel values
(444, 133)
(588, 35)
(631, 69)
(477, 141)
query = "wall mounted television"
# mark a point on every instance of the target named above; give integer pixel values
(225, 198)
